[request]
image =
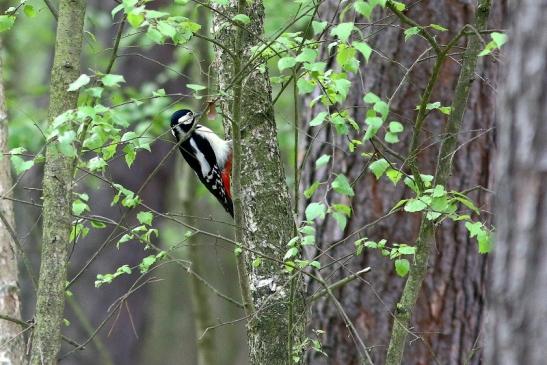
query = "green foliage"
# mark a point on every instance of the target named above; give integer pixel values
(498, 40)
(6, 22)
(109, 278)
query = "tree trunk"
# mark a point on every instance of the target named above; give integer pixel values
(57, 189)
(267, 222)
(447, 320)
(11, 340)
(516, 309)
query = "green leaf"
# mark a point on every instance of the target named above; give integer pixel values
(391, 138)
(485, 242)
(285, 63)
(112, 80)
(438, 191)
(29, 11)
(394, 175)
(402, 267)
(315, 210)
(364, 49)
(474, 228)
(257, 262)
(342, 208)
(396, 127)
(415, 205)
(499, 38)
(342, 31)
(145, 218)
(407, 250)
(167, 29)
(378, 167)
(307, 55)
(305, 86)
(146, 262)
(129, 154)
(410, 32)
(291, 252)
(322, 161)
(371, 98)
(80, 81)
(467, 202)
(241, 18)
(21, 165)
(399, 204)
(315, 264)
(438, 27)
(340, 219)
(155, 35)
(308, 241)
(6, 22)
(78, 207)
(364, 8)
(319, 119)
(382, 107)
(96, 163)
(196, 87)
(135, 19)
(399, 5)
(308, 193)
(318, 27)
(342, 186)
(307, 230)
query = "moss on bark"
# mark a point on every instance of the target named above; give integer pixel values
(266, 215)
(57, 189)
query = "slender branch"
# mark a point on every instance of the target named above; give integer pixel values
(406, 20)
(26, 261)
(338, 284)
(52, 9)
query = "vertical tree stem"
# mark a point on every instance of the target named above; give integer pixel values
(426, 236)
(57, 189)
(10, 303)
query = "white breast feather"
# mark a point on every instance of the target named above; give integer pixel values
(221, 147)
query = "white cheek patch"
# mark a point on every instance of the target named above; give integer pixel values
(187, 119)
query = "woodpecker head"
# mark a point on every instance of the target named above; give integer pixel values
(182, 121)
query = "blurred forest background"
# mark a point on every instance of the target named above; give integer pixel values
(149, 330)
(157, 325)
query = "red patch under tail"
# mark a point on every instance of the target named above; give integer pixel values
(226, 174)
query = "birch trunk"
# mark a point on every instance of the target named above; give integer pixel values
(57, 189)
(11, 340)
(517, 311)
(267, 223)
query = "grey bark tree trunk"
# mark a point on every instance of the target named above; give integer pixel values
(11, 340)
(447, 320)
(267, 222)
(57, 189)
(517, 310)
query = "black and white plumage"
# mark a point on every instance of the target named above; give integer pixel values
(207, 154)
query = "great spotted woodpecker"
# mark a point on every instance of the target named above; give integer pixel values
(207, 154)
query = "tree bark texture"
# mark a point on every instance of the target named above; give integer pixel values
(517, 310)
(11, 340)
(57, 189)
(267, 219)
(447, 320)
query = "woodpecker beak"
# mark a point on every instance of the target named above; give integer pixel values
(197, 115)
